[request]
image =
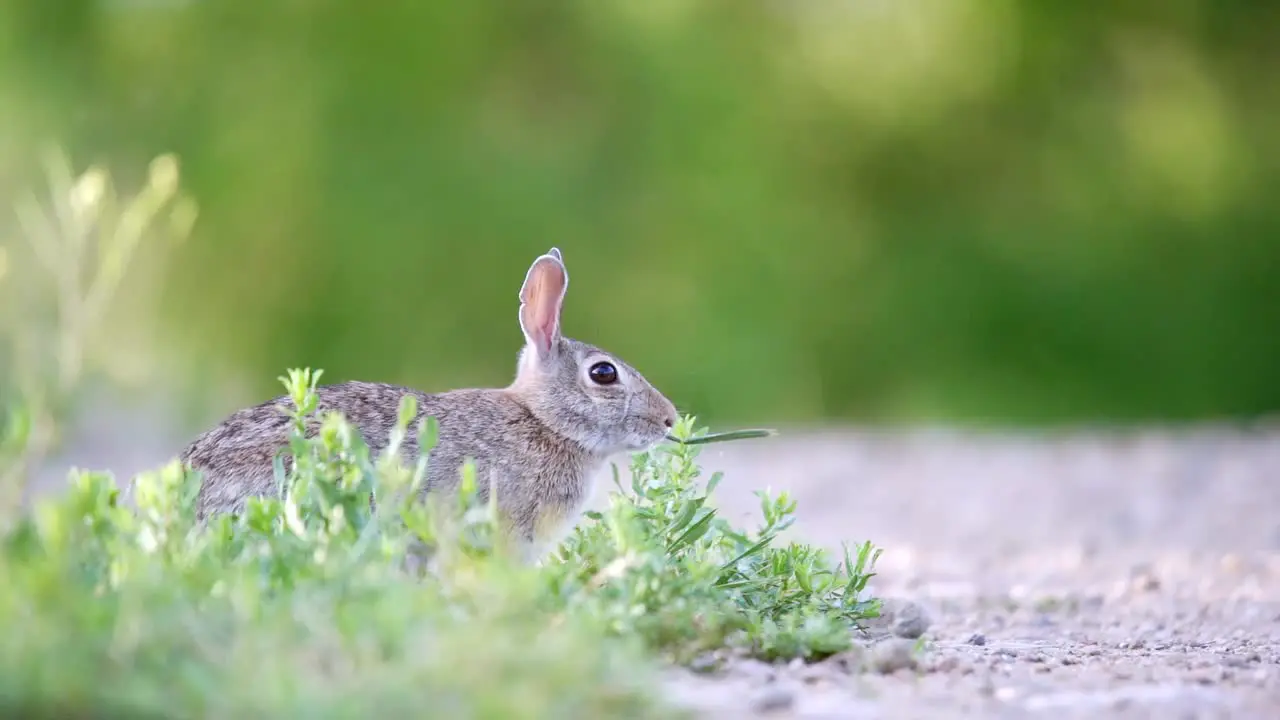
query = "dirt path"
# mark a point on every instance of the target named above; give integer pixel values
(1074, 576)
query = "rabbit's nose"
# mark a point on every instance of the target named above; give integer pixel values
(669, 415)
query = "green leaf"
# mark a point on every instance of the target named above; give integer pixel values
(691, 535)
(428, 434)
(408, 408)
(802, 577)
(754, 549)
(686, 514)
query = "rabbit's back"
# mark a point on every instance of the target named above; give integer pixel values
(236, 456)
(541, 476)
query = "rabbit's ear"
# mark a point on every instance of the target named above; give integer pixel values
(541, 298)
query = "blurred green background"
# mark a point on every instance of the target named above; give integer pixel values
(945, 210)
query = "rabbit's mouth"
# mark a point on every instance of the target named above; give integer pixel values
(646, 436)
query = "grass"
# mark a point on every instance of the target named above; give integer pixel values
(304, 605)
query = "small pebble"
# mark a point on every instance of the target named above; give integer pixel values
(814, 674)
(1143, 578)
(947, 664)
(909, 621)
(755, 669)
(978, 639)
(892, 655)
(773, 699)
(850, 660)
(705, 663)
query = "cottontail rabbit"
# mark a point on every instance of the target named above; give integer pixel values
(538, 442)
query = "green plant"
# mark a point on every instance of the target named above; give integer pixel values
(660, 562)
(301, 606)
(79, 242)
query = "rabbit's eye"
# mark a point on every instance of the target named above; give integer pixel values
(603, 373)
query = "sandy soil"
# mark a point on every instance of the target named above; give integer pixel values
(1079, 575)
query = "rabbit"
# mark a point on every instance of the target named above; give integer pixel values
(539, 442)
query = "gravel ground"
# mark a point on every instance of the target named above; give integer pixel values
(1089, 574)
(1078, 575)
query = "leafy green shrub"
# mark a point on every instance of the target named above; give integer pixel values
(301, 606)
(660, 563)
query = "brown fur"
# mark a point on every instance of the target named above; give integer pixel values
(538, 442)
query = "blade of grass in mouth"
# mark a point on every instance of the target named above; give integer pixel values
(725, 436)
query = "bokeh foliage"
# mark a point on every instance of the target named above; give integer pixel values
(877, 210)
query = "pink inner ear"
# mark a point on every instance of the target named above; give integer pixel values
(542, 296)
